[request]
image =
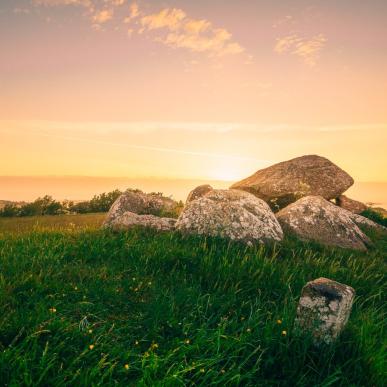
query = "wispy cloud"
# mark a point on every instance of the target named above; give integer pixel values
(53, 3)
(308, 49)
(103, 16)
(172, 27)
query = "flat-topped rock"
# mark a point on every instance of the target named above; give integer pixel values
(129, 220)
(324, 309)
(313, 218)
(232, 214)
(288, 181)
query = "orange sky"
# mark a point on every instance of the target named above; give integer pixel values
(195, 89)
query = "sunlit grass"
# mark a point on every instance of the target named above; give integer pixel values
(81, 306)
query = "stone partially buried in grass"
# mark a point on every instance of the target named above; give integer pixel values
(138, 202)
(232, 214)
(313, 218)
(324, 309)
(129, 220)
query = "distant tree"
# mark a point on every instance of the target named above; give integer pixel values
(42, 206)
(80, 208)
(48, 206)
(9, 210)
(103, 202)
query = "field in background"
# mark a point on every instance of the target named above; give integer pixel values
(51, 222)
(85, 306)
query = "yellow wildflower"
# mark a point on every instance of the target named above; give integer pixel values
(52, 310)
(284, 333)
(91, 346)
(279, 321)
(126, 366)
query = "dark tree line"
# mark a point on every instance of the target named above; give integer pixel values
(49, 206)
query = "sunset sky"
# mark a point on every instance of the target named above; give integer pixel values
(204, 89)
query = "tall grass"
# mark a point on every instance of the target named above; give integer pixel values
(92, 307)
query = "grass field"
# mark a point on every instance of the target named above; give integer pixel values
(50, 223)
(82, 306)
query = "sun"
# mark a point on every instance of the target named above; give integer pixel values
(226, 172)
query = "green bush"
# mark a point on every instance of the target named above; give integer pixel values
(375, 216)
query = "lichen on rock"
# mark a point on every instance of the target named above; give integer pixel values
(232, 214)
(324, 309)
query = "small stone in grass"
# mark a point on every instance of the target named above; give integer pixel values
(324, 309)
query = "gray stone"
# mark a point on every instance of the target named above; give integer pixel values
(129, 220)
(198, 192)
(232, 214)
(138, 202)
(313, 218)
(324, 309)
(351, 205)
(288, 181)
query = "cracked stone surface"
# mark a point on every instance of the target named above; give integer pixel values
(130, 219)
(139, 203)
(324, 309)
(198, 192)
(288, 181)
(313, 218)
(232, 214)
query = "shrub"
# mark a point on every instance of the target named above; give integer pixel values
(375, 216)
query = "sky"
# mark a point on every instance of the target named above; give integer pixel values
(204, 89)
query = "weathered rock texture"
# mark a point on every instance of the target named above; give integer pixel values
(314, 218)
(284, 183)
(139, 203)
(324, 309)
(350, 204)
(230, 214)
(130, 219)
(198, 192)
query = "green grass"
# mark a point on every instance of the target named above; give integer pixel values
(177, 310)
(51, 222)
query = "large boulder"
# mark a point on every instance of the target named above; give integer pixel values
(140, 203)
(129, 220)
(230, 214)
(198, 192)
(351, 205)
(286, 182)
(313, 218)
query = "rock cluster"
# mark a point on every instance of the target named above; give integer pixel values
(324, 309)
(299, 190)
